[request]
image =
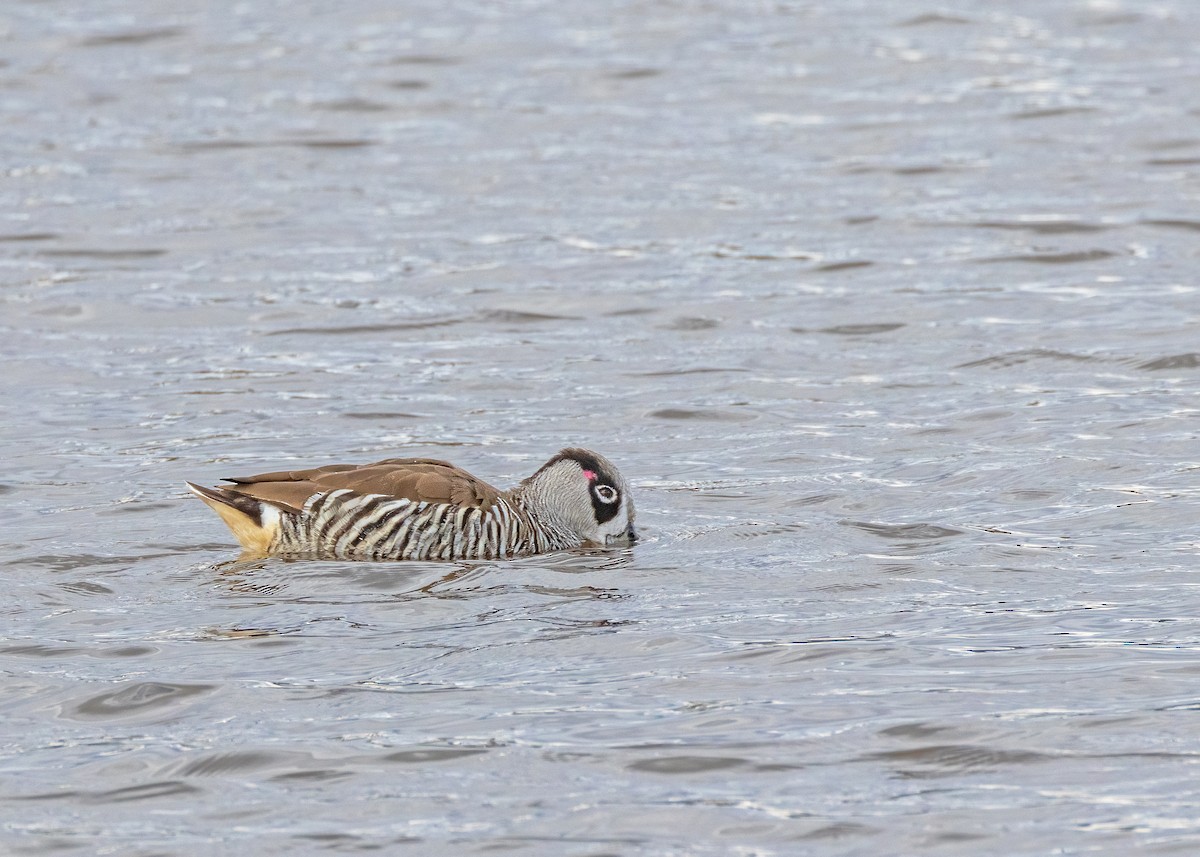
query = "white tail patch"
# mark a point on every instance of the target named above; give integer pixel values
(254, 537)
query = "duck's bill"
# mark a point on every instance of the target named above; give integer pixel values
(625, 537)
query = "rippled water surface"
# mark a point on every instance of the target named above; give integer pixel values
(887, 309)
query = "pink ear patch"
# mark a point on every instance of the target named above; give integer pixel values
(589, 474)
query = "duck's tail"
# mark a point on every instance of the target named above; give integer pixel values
(254, 522)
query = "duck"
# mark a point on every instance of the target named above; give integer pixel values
(425, 509)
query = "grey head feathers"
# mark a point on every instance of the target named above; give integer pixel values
(583, 491)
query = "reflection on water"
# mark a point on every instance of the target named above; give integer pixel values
(888, 311)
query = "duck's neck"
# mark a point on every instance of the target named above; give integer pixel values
(541, 526)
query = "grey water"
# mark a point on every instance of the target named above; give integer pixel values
(888, 310)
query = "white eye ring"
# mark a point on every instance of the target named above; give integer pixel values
(606, 493)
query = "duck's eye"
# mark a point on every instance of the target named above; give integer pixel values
(605, 493)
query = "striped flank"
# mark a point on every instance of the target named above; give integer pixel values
(368, 526)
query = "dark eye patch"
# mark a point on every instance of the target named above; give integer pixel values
(605, 511)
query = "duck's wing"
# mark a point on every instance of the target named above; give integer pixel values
(418, 479)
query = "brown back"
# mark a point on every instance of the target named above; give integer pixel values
(416, 479)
